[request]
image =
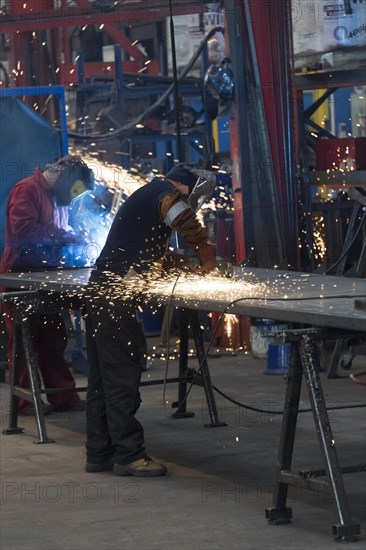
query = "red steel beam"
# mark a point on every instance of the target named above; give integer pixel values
(73, 17)
(119, 37)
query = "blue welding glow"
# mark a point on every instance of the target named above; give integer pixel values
(91, 217)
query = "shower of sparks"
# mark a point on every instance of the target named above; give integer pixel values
(187, 289)
(93, 213)
(158, 288)
(320, 248)
(231, 322)
(114, 176)
(152, 287)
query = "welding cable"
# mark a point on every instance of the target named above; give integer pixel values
(344, 254)
(335, 408)
(211, 342)
(131, 126)
(355, 378)
(175, 86)
(180, 405)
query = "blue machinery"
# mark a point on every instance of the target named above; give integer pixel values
(200, 140)
(57, 91)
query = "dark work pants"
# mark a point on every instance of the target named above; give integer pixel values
(113, 397)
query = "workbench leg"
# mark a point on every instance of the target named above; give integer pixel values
(336, 355)
(278, 513)
(205, 372)
(34, 383)
(15, 375)
(345, 529)
(183, 369)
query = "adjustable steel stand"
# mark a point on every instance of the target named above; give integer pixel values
(22, 338)
(29, 302)
(26, 304)
(189, 318)
(304, 360)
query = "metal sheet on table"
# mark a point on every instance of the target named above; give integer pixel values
(309, 299)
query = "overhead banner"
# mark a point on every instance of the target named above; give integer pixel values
(189, 32)
(325, 26)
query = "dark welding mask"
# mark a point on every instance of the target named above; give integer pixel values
(203, 188)
(201, 183)
(75, 178)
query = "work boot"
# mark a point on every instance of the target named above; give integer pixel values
(144, 467)
(106, 466)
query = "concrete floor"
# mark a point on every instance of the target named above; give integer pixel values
(219, 480)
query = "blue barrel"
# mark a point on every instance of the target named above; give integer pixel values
(278, 359)
(152, 321)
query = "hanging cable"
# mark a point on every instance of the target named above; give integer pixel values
(130, 128)
(344, 254)
(175, 83)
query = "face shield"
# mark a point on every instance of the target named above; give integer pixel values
(74, 180)
(203, 189)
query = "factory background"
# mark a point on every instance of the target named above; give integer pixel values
(284, 130)
(282, 105)
(268, 94)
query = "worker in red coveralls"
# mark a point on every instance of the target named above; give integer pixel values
(36, 230)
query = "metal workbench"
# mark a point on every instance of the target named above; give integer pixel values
(309, 299)
(319, 306)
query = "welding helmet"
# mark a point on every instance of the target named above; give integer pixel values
(74, 178)
(201, 183)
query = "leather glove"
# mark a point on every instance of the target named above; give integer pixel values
(176, 262)
(207, 256)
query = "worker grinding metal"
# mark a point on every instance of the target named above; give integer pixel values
(36, 230)
(139, 236)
